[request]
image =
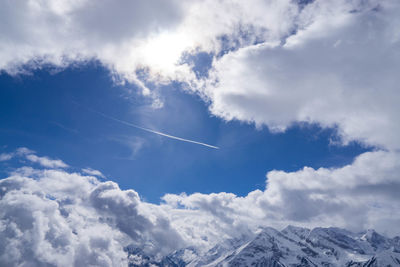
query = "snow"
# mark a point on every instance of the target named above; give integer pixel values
(293, 246)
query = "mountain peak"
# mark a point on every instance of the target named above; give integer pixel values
(300, 232)
(293, 246)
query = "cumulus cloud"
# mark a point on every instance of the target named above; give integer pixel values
(339, 69)
(37, 231)
(57, 217)
(358, 196)
(130, 36)
(327, 62)
(65, 219)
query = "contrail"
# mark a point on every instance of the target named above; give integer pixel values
(149, 130)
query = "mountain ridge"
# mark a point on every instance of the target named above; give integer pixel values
(292, 246)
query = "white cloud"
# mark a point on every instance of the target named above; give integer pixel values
(331, 62)
(46, 162)
(6, 156)
(339, 69)
(30, 155)
(43, 161)
(358, 196)
(65, 219)
(93, 172)
(61, 218)
(35, 229)
(130, 35)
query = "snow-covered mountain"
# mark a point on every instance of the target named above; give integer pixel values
(293, 246)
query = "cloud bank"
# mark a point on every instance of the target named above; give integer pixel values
(52, 216)
(65, 219)
(328, 62)
(130, 37)
(339, 69)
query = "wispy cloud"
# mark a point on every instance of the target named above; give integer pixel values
(30, 155)
(93, 172)
(46, 162)
(62, 126)
(6, 156)
(134, 143)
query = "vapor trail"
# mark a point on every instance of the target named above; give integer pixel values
(150, 130)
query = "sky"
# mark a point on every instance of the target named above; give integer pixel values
(56, 114)
(166, 124)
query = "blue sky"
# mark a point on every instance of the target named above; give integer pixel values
(51, 113)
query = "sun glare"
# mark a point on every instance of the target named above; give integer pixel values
(163, 52)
